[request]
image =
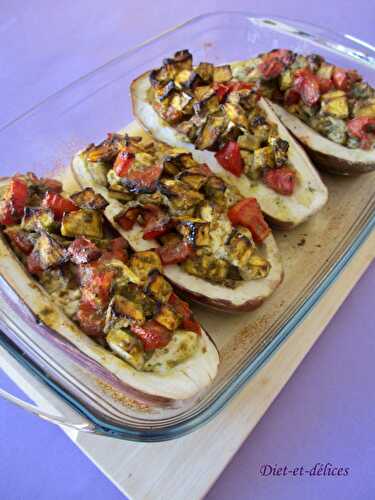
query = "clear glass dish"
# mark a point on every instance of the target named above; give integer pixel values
(47, 136)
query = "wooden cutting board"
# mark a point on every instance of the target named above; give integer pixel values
(196, 459)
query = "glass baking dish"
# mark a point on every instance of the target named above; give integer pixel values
(46, 137)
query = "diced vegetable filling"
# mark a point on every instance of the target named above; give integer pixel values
(334, 101)
(118, 297)
(216, 111)
(185, 209)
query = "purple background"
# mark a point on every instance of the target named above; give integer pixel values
(327, 411)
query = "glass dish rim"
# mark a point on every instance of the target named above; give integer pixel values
(180, 429)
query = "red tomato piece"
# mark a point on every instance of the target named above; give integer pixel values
(123, 162)
(33, 264)
(325, 85)
(96, 292)
(119, 251)
(307, 85)
(176, 253)
(128, 219)
(52, 185)
(144, 178)
(58, 204)
(361, 128)
(247, 213)
(90, 320)
(229, 157)
(182, 308)
(274, 62)
(21, 239)
(282, 180)
(223, 89)
(14, 201)
(291, 96)
(152, 335)
(82, 251)
(157, 223)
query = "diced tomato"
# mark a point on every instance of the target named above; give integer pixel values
(157, 223)
(58, 204)
(144, 178)
(82, 251)
(325, 85)
(96, 292)
(247, 213)
(118, 251)
(223, 89)
(14, 201)
(123, 162)
(90, 320)
(21, 239)
(274, 62)
(229, 157)
(306, 83)
(33, 264)
(52, 185)
(175, 253)
(282, 180)
(128, 219)
(291, 96)
(344, 78)
(152, 335)
(182, 308)
(361, 128)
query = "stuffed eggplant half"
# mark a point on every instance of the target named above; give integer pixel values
(329, 109)
(83, 281)
(214, 244)
(224, 123)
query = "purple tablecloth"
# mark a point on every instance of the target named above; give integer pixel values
(326, 413)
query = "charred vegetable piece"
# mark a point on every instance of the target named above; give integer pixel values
(210, 133)
(175, 253)
(182, 308)
(195, 178)
(222, 73)
(157, 223)
(96, 291)
(159, 287)
(13, 202)
(205, 71)
(144, 263)
(89, 199)
(58, 204)
(247, 213)
(229, 157)
(82, 223)
(48, 252)
(207, 266)
(282, 180)
(21, 240)
(118, 249)
(127, 219)
(38, 219)
(258, 267)
(185, 79)
(195, 231)
(127, 308)
(240, 248)
(143, 178)
(152, 335)
(274, 62)
(168, 318)
(182, 197)
(264, 158)
(82, 251)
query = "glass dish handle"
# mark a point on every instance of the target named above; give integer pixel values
(78, 423)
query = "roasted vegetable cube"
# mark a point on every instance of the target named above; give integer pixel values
(286, 79)
(222, 73)
(236, 114)
(205, 71)
(210, 132)
(159, 288)
(207, 102)
(259, 267)
(38, 219)
(263, 158)
(192, 179)
(195, 231)
(143, 263)
(185, 79)
(249, 141)
(127, 308)
(182, 198)
(367, 109)
(335, 104)
(182, 103)
(126, 346)
(48, 252)
(89, 199)
(82, 223)
(168, 317)
(325, 71)
(240, 249)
